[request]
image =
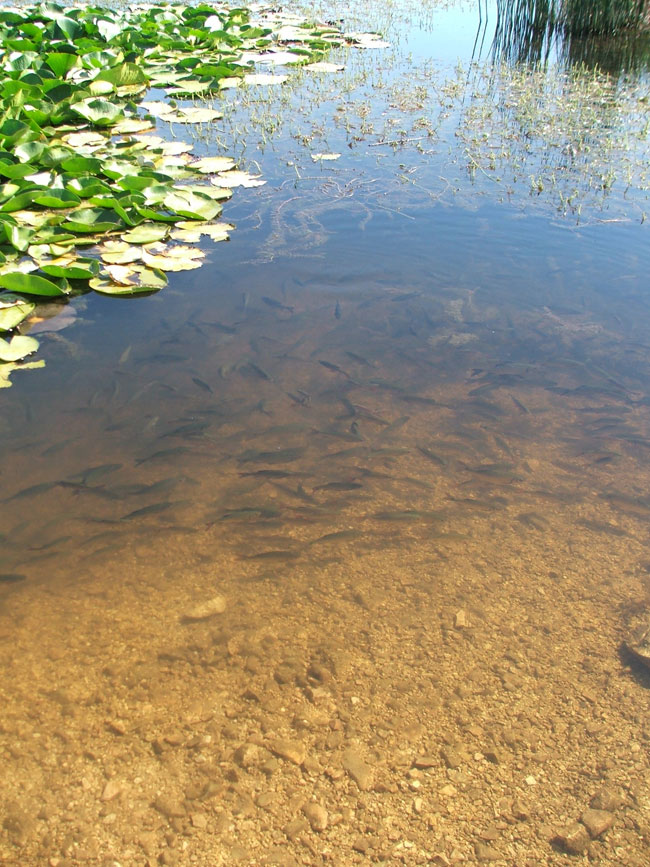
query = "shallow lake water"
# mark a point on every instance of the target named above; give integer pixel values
(397, 430)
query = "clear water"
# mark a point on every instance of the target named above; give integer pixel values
(400, 421)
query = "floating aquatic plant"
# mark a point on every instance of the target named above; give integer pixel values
(90, 198)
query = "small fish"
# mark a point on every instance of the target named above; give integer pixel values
(11, 577)
(407, 515)
(300, 493)
(346, 453)
(163, 454)
(356, 409)
(201, 384)
(53, 449)
(337, 311)
(337, 536)
(191, 429)
(351, 435)
(164, 485)
(520, 406)
(102, 552)
(277, 305)
(124, 357)
(406, 296)
(91, 474)
(495, 472)
(248, 512)
(334, 368)
(359, 359)
(390, 452)
(274, 555)
(153, 509)
(418, 398)
(32, 491)
(281, 456)
(81, 488)
(53, 543)
(301, 398)
(482, 505)
(532, 519)
(269, 474)
(598, 527)
(339, 486)
(418, 483)
(387, 384)
(440, 460)
(224, 329)
(259, 371)
(164, 358)
(394, 425)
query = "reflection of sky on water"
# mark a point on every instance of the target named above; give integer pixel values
(454, 33)
(467, 30)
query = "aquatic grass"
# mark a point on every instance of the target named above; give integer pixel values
(532, 30)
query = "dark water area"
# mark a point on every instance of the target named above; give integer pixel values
(405, 436)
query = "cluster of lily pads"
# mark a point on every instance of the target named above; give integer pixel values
(90, 198)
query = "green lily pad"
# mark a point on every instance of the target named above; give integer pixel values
(57, 199)
(92, 220)
(195, 206)
(31, 284)
(98, 111)
(128, 280)
(71, 267)
(146, 233)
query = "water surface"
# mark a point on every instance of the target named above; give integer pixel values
(401, 423)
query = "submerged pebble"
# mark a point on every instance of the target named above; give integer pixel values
(216, 605)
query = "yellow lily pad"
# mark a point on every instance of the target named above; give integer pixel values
(236, 178)
(172, 258)
(193, 115)
(130, 125)
(119, 253)
(127, 279)
(7, 369)
(84, 139)
(157, 109)
(210, 165)
(191, 233)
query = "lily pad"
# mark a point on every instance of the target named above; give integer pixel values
(17, 348)
(98, 111)
(120, 253)
(31, 284)
(146, 233)
(193, 115)
(209, 165)
(13, 309)
(7, 369)
(132, 276)
(192, 232)
(237, 179)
